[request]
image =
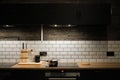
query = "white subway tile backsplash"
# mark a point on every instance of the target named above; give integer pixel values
(74, 42)
(117, 42)
(67, 42)
(81, 42)
(111, 42)
(52, 42)
(2, 42)
(59, 42)
(70, 60)
(88, 42)
(63, 46)
(96, 42)
(6, 46)
(56, 46)
(59, 49)
(66, 51)
(8, 42)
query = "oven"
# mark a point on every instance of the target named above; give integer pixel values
(62, 75)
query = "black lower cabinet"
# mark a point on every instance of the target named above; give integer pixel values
(100, 74)
(36, 74)
(27, 75)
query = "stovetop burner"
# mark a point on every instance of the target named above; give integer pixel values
(74, 65)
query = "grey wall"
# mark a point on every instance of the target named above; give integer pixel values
(76, 33)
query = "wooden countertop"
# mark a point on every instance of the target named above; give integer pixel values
(81, 65)
(99, 65)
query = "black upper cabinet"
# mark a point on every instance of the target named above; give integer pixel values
(80, 14)
(94, 14)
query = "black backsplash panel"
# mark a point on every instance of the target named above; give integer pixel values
(75, 33)
(20, 33)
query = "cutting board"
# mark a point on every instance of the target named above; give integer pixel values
(29, 65)
(99, 65)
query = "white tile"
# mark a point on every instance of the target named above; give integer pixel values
(70, 60)
(92, 60)
(74, 42)
(59, 49)
(52, 49)
(96, 42)
(63, 53)
(88, 49)
(8, 49)
(88, 42)
(63, 60)
(103, 49)
(111, 42)
(88, 57)
(6, 60)
(67, 49)
(12, 61)
(96, 49)
(13, 45)
(56, 46)
(5, 46)
(74, 49)
(2, 49)
(45, 42)
(93, 46)
(16, 42)
(82, 42)
(60, 57)
(38, 42)
(85, 60)
(85, 46)
(77, 60)
(48, 46)
(111, 49)
(52, 42)
(75, 57)
(2, 57)
(78, 46)
(8, 42)
(81, 49)
(115, 46)
(2, 42)
(67, 57)
(59, 42)
(99, 60)
(30, 42)
(82, 57)
(56, 53)
(1, 45)
(117, 42)
(71, 53)
(71, 46)
(103, 42)
(64, 46)
(67, 42)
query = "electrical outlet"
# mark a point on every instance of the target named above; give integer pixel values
(43, 53)
(110, 53)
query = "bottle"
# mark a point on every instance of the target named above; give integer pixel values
(31, 55)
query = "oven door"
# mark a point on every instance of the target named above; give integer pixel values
(62, 75)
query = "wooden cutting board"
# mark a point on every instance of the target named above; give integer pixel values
(99, 65)
(29, 65)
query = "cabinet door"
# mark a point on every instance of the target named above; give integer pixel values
(94, 14)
